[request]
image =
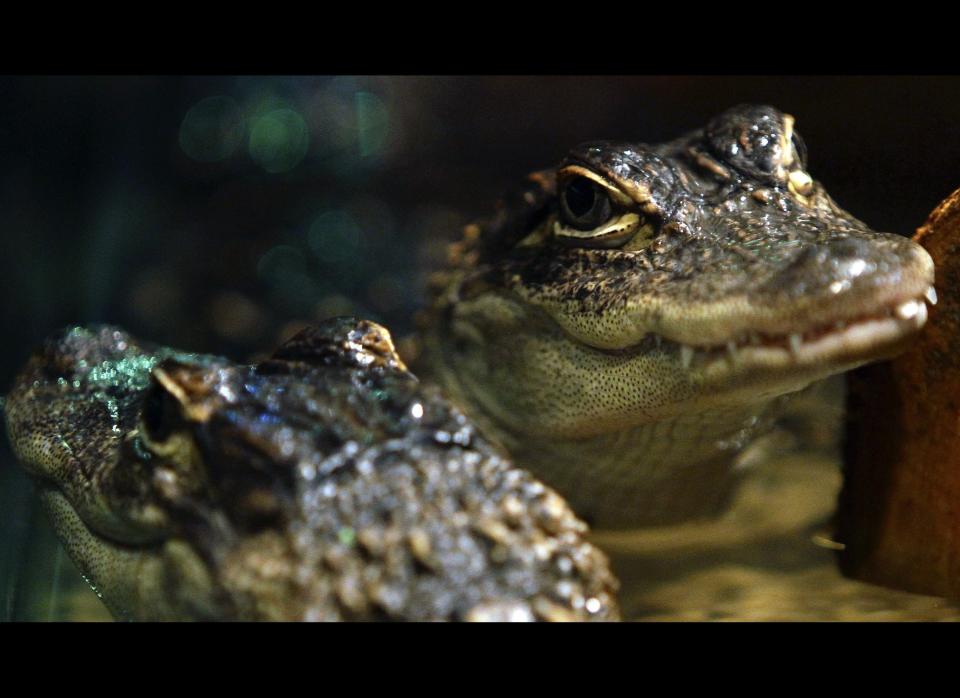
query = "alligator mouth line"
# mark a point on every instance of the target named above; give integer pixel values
(860, 338)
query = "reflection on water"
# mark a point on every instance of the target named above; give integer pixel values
(766, 559)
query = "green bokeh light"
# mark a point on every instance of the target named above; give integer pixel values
(285, 270)
(334, 236)
(373, 122)
(281, 262)
(212, 129)
(279, 140)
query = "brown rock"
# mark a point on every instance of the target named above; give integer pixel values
(899, 515)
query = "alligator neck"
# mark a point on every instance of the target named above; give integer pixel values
(667, 472)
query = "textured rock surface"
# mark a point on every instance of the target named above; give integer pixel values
(900, 513)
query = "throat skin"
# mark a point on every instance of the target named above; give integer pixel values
(630, 440)
(678, 470)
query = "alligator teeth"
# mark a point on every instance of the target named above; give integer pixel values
(732, 350)
(908, 310)
(827, 542)
(657, 340)
(686, 355)
(931, 295)
(795, 341)
(921, 314)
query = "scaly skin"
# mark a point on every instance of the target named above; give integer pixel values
(629, 321)
(321, 484)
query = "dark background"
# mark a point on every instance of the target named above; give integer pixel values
(212, 212)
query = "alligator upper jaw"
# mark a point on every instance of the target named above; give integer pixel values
(842, 344)
(844, 340)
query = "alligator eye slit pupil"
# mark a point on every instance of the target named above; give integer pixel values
(581, 195)
(585, 206)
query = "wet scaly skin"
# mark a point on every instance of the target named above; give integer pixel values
(321, 484)
(630, 321)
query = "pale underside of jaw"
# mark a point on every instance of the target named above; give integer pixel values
(850, 339)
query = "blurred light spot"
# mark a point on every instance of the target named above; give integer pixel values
(408, 347)
(212, 129)
(386, 293)
(373, 120)
(156, 298)
(284, 268)
(289, 330)
(375, 218)
(334, 121)
(334, 236)
(279, 140)
(430, 225)
(334, 305)
(857, 267)
(347, 536)
(280, 262)
(236, 317)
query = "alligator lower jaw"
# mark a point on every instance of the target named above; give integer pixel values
(859, 340)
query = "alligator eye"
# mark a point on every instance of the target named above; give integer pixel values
(584, 204)
(159, 412)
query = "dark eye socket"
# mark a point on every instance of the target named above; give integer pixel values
(159, 414)
(584, 204)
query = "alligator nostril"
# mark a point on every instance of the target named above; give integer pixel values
(834, 266)
(850, 259)
(850, 247)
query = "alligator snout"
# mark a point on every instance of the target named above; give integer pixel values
(854, 266)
